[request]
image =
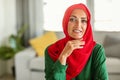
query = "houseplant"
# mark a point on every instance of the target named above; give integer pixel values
(14, 45)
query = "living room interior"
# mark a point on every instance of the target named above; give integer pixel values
(34, 21)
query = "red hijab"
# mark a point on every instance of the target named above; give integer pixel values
(79, 57)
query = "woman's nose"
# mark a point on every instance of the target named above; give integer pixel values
(78, 22)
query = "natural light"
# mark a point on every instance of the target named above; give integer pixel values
(107, 15)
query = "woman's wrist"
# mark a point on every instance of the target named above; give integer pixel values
(62, 59)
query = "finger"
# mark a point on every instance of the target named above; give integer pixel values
(78, 46)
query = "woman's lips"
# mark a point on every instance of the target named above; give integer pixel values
(77, 31)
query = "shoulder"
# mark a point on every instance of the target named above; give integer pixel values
(98, 47)
(98, 50)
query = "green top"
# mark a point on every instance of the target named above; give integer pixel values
(95, 68)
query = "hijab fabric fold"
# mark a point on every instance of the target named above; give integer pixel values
(79, 57)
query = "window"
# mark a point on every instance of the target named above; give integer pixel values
(54, 11)
(107, 16)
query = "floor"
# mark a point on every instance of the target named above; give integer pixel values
(7, 77)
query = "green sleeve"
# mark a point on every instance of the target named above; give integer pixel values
(99, 64)
(54, 70)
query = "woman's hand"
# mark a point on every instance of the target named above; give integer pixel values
(68, 49)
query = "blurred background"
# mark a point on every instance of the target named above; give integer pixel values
(23, 20)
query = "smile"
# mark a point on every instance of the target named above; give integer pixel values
(77, 31)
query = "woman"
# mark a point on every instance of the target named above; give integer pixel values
(77, 56)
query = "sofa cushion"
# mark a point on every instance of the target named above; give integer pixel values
(40, 43)
(113, 51)
(113, 65)
(111, 40)
(37, 64)
(112, 46)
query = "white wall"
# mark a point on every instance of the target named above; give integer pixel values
(7, 26)
(7, 19)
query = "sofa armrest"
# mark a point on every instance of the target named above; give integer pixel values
(22, 60)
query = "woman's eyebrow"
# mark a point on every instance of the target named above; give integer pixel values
(73, 16)
(83, 17)
(76, 17)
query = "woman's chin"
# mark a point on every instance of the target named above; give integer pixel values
(77, 37)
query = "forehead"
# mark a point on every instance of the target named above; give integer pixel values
(78, 13)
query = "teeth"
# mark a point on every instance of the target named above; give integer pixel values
(76, 30)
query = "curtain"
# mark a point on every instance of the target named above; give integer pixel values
(30, 13)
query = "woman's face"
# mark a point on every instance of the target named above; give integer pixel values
(77, 24)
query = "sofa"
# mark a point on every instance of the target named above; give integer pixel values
(30, 67)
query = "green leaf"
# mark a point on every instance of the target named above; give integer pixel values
(22, 30)
(6, 52)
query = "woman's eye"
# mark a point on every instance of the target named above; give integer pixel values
(84, 21)
(72, 19)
